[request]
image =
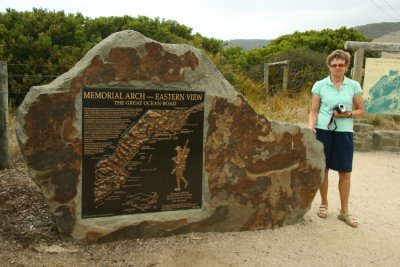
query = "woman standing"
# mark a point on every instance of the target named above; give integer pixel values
(336, 100)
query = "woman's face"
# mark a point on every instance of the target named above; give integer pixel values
(338, 67)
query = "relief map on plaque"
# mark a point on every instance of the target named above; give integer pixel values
(382, 86)
(142, 151)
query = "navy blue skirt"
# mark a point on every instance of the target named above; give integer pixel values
(338, 148)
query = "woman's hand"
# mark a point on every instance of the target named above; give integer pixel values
(347, 114)
(336, 114)
(312, 128)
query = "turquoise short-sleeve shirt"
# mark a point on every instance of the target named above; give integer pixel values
(330, 98)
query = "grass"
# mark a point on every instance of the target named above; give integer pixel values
(295, 109)
(383, 122)
(284, 107)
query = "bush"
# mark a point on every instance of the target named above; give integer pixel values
(305, 67)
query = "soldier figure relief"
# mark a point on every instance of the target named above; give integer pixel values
(180, 165)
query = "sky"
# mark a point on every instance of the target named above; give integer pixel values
(232, 19)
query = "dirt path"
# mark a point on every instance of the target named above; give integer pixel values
(27, 239)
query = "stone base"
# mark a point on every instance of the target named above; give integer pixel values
(366, 139)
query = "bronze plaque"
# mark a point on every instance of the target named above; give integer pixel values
(142, 151)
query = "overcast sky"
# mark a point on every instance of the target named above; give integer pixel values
(233, 19)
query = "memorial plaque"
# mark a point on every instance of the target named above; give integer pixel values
(142, 151)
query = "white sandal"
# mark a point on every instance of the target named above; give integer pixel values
(323, 211)
(349, 219)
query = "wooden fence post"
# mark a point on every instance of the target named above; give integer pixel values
(285, 76)
(285, 65)
(266, 78)
(4, 160)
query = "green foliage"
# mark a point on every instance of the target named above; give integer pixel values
(39, 45)
(236, 56)
(306, 52)
(374, 120)
(305, 67)
(212, 45)
(324, 41)
(253, 90)
(245, 60)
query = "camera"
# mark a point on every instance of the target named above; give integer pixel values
(341, 108)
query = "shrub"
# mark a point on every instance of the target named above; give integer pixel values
(305, 67)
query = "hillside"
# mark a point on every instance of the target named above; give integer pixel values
(247, 44)
(393, 37)
(376, 30)
(388, 32)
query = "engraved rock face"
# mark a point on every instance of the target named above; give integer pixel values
(256, 173)
(258, 165)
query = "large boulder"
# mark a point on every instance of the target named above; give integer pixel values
(253, 173)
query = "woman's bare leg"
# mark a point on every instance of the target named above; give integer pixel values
(323, 189)
(344, 191)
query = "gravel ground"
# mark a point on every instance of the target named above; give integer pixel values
(28, 237)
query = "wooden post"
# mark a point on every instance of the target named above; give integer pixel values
(285, 76)
(266, 78)
(358, 64)
(4, 160)
(386, 47)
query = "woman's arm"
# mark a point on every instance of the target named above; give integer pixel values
(315, 103)
(358, 103)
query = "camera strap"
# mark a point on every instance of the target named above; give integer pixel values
(332, 121)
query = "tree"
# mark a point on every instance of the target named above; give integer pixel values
(323, 41)
(39, 45)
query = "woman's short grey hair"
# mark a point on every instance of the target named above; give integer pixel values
(340, 54)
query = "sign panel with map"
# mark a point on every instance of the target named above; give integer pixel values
(142, 151)
(382, 86)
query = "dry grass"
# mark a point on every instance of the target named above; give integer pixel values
(283, 107)
(14, 151)
(383, 122)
